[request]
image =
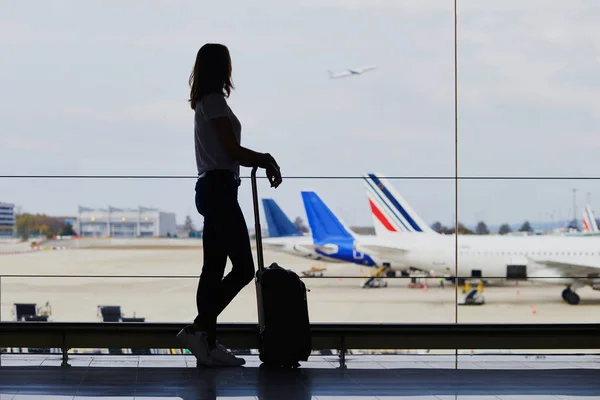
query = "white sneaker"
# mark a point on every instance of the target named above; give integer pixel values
(223, 357)
(197, 344)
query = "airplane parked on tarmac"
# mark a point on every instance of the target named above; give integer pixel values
(285, 237)
(331, 239)
(403, 238)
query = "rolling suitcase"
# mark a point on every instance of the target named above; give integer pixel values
(283, 323)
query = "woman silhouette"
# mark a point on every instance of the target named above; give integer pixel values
(219, 155)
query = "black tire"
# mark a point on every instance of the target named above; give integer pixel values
(573, 299)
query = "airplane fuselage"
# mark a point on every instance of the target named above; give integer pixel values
(345, 251)
(499, 257)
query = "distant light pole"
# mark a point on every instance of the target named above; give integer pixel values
(575, 206)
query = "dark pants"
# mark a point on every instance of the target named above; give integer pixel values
(225, 235)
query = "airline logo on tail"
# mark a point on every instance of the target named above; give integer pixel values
(589, 220)
(390, 212)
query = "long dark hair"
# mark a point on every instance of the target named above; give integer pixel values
(212, 72)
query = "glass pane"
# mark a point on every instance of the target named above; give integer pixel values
(527, 109)
(119, 90)
(527, 88)
(535, 264)
(154, 275)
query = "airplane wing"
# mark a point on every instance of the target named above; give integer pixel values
(364, 69)
(326, 248)
(336, 75)
(382, 251)
(352, 71)
(578, 270)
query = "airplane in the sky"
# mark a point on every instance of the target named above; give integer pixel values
(403, 238)
(351, 72)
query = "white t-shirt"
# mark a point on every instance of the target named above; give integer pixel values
(210, 154)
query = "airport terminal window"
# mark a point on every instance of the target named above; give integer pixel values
(512, 70)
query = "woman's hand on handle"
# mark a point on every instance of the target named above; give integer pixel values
(274, 176)
(273, 171)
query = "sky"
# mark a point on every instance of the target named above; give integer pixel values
(100, 88)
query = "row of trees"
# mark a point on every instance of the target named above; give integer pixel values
(34, 224)
(190, 227)
(480, 229)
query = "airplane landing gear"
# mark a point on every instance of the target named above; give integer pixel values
(570, 296)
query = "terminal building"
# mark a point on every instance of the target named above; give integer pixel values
(8, 220)
(125, 222)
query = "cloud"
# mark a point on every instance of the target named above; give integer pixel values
(167, 112)
(361, 5)
(529, 57)
(17, 33)
(30, 144)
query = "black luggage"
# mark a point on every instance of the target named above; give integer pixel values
(283, 323)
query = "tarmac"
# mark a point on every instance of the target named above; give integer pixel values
(160, 286)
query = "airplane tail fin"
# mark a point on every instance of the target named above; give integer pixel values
(589, 220)
(324, 225)
(278, 224)
(390, 211)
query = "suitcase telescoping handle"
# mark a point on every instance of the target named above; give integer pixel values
(257, 229)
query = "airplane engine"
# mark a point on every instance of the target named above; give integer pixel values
(329, 249)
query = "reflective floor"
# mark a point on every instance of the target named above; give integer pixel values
(366, 377)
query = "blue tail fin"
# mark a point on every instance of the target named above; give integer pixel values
(324, 225)
(278, 224)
